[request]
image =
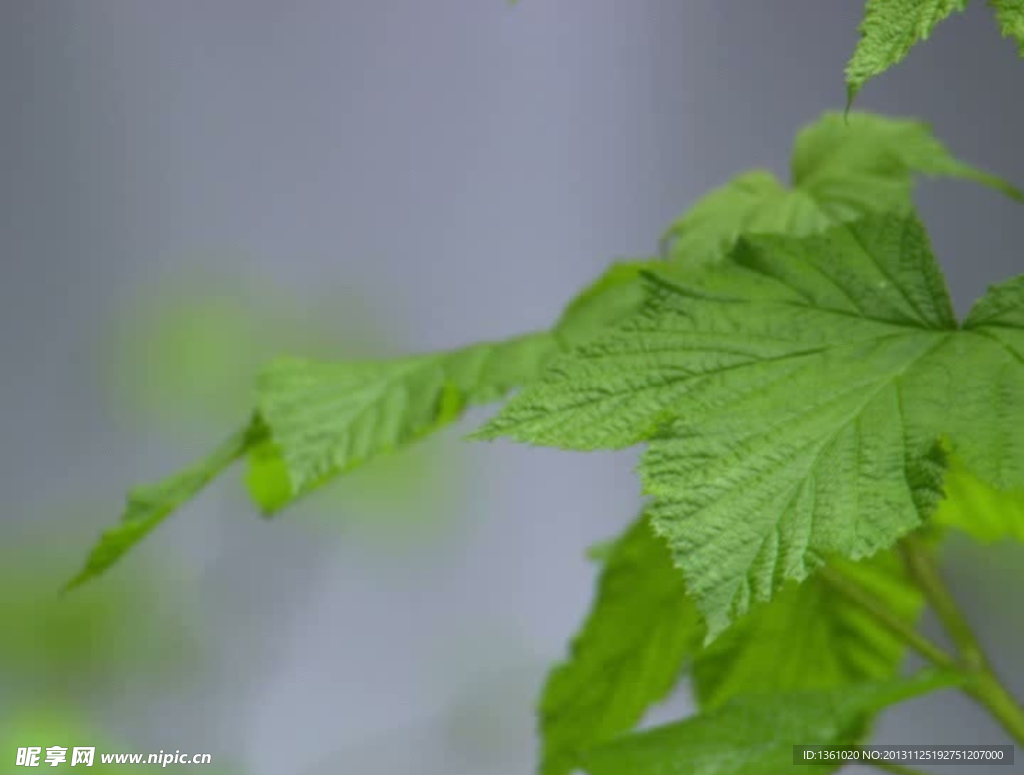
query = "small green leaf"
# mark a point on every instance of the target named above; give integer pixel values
(755, 735)
(1010, 15)
(859, 164)
(889, 30)
(843, 168)
(151, 504)
(325, 418)
(794, 397)
(808, 638)
(315, 420)
(627, 657)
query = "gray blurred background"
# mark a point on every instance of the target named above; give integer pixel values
(189, 188)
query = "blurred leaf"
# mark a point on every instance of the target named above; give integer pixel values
(46, 728)
(810, 638)
(39, 728)
(755, 735)
(189, 352)
(188, 355)
(1010, 16)
(392, 502)
(979, 509)
(628, 656)
(601, 551)
(844, 168)
(57, 648)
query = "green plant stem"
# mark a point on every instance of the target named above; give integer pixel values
(888, 618)
(988, 690)
(921, 566)
(983, 685)
(897, 769)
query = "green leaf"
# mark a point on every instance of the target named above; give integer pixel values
(795, 396)
(315, 420)
(842, 169)
(752, 202)
(149, 505)
(889, 30)
(616, 294)
(859, 164)
(973, 390)
(979, 509)
(324, 418)
(809, 638)
(1010, 15)
(755, 735)
(627, 657)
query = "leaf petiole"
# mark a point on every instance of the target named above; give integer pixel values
(887, 618)
(984, 685)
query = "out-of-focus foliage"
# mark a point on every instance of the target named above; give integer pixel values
(46, 727)
(63, 658)
(843, 168)
(755, 734)
(39, 727)
(186, 352)
(978, 508)
(86, 645)
(186, 355)
(484, 720)
(628, 655)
